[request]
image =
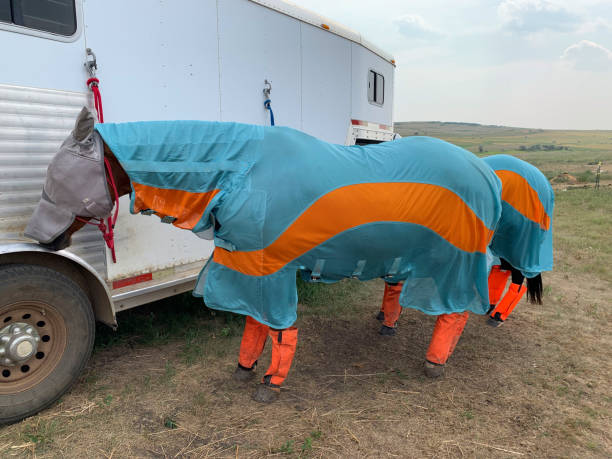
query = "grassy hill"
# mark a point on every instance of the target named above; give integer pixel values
(554, 151)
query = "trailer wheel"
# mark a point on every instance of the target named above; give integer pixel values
(47, 332)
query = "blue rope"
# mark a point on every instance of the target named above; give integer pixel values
(267, 104)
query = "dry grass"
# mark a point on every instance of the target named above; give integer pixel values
(538, 386)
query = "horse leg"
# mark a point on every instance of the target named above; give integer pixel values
(512, 297)
(252, 345)
(446, 334)
(499, 310)
(391, 308)
(497, 284)
(284, 343)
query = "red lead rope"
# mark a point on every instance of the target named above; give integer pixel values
(107, 229)
(92, 83)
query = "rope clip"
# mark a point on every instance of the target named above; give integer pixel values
(90, 64)
(268, 102)
(267, 88)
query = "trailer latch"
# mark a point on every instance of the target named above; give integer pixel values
(90, 62)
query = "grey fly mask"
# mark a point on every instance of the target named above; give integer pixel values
(75, 184)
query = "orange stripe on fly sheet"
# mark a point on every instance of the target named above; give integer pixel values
(185, 206)
(432, 206)
(517, 192)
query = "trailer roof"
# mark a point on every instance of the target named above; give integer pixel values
(310, 17)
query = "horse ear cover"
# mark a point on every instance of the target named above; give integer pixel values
(84, 125)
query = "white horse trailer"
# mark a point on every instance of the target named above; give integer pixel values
(187, 59)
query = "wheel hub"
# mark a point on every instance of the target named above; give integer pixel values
(33, 337)
(18, 342)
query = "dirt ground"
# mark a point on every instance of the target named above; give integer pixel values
(539, 386)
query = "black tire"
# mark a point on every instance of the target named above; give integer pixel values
(61, 302)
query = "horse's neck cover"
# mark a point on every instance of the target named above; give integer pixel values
(523, 235)
(177, 169)
(417, 210)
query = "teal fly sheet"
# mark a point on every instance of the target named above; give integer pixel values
(278, 201)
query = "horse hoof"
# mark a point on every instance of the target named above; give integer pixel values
(494, 322)
(243, 374)
(387, 331)
(380, 316)
(266, 394)
(433, 370)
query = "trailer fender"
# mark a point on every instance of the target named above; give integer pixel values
(70, 265)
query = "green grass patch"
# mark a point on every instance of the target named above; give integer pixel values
(181, 317)
(42, 433)
(334, 299)
(287, 447)
(170, 423)
(581, 231)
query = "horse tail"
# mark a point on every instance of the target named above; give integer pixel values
(534, 284)
(534, 289)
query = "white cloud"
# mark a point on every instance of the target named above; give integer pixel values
(414, 26)
(588, 55)
(595, 25)
(537, 15)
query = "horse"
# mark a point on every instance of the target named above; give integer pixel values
(277, 201)
(521, 249)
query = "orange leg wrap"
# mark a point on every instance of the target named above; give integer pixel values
(445, 336)
(509, 301)
(390, 304)
(284, 343)
(253, 342)
(497, 283)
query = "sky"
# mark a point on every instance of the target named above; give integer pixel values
(527, 63)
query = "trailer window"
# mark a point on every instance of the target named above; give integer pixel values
(5, 10)
(376, 88)
(55, 16)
